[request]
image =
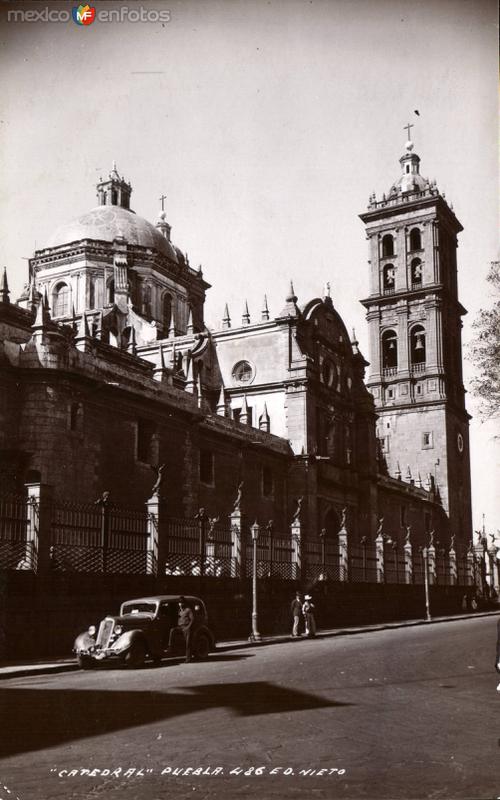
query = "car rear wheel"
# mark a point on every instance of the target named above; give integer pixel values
(201, 646)
(135, 657)
(84, 662)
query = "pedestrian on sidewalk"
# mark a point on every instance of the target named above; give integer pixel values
(296, 609)
(308, 611)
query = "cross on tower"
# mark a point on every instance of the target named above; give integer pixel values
(407, 128)
(162, 201)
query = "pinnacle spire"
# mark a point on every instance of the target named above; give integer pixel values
(171, 329)
(132, 343)
(190, 326)
(245, 319)
(290, 309)
(226, 319)
(4, 288)
(244, 413)
(265, 310)
(264, 421)
(292, 297)
(221, 403)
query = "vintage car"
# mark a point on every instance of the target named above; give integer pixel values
(142, 631)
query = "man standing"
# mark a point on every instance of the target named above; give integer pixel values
(296, 609)
(185, 625)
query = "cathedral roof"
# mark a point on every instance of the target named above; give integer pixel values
(109, 222)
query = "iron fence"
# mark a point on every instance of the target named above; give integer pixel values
(275, 556)
(322, 561)
(99, 537)
(18, 543)
(362, 561)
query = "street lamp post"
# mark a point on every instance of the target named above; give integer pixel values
(255, 635)
(426, 584)
(322, 535)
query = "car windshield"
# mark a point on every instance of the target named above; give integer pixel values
(139, 608)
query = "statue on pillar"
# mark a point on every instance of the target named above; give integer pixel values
(380, 527)
(296, 516)
(155, 491)
(343, 519)
(237, 502)
(408, 534)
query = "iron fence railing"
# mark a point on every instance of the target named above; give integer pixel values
(103, 537)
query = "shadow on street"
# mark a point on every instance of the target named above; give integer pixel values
(34, 719)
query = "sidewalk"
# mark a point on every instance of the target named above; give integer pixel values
(21, 670)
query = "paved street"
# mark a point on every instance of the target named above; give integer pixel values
(407, 713)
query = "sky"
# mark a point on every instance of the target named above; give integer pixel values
(267, 125)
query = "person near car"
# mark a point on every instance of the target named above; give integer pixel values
(185, 623)
(308, 611)
(296, 609)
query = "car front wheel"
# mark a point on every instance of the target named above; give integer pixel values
(136, 656)
(84, 662)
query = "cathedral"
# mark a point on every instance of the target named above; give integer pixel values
(108, 372)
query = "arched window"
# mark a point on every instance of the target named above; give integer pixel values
(415, 239)
(389, 278)
(417, 345)
(92, 293)
(167, 311)
(416, 272)
(331, 523)
(110, 291)
(389, 350)
(387, 245)
(60, 300)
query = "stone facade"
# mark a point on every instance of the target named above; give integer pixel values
(108, 372)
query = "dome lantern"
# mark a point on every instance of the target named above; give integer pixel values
(115, 191)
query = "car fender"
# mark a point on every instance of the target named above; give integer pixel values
(126, 640)
(83, 642)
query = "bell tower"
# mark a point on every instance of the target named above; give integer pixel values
(414, 321)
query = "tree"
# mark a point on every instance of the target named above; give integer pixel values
(484, 351)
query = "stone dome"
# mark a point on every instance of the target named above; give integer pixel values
(108, 222)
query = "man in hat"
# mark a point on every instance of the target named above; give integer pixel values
(308, 611)
(296, 609)
(185, 622)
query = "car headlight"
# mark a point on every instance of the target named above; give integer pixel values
(91, 630)
(118, 630)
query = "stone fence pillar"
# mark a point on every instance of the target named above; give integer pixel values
(39, 516)
(494, 577)
(452, 566)
(237, 545)
(155, 564)
(408, 557)
(470, 579)
(296, 532)
(431, 564)
(379, 555)
(343, 554)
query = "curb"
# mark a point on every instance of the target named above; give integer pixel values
(66, 665)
